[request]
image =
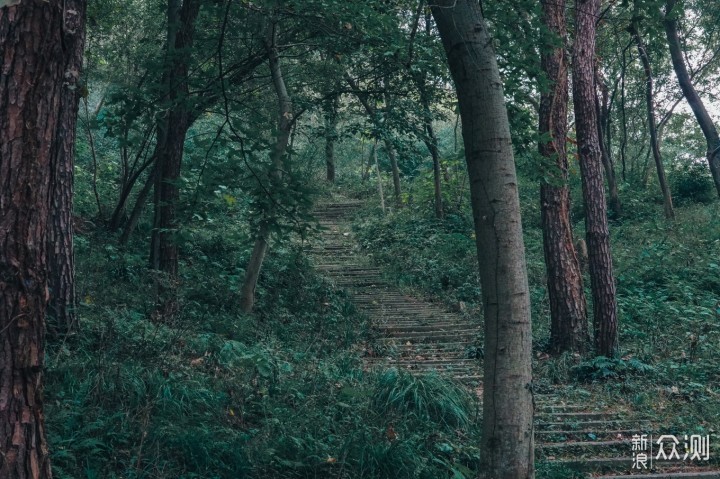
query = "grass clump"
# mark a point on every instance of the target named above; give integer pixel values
(215, 393)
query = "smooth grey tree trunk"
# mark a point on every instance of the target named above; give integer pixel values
(652, 123)
(389, 148)
(696, 104)
(284, 122)
(507, 443)
(379, 177)
(331, 136)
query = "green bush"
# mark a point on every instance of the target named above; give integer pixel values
(600, 368)
(691, 183)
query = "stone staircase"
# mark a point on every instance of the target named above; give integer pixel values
(409, 333)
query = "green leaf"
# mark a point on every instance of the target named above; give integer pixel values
(444, 447)
(264, 369)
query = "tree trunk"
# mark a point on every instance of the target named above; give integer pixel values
(614, 200)
(623, 113)
(568, 313)
(330, 137)
(365, 169)
(277, 156)
(390, 148)
(652, 125)
(171, 134)
(172, 130)
(61, 261)
(693, 99)
(137, 210)
(602, 281)
(372, 113)
(93, 153)
(392, 156)
(118, 216)
(252, 270)
(379, 177)
(507, 444)
(431, 141)
(32, 114)
(437, 175)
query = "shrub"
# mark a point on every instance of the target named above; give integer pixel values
(692, 183)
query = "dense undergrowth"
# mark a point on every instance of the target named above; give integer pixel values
(283, 393)
(668, 286)
(217, 394)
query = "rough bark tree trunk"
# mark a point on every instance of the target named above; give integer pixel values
(32, 76)
(614, 200)
(602, 280)
(652, 125)
(568, 313)
(696, 104)
(277, 157)
(507, 444)
(61, 261)
(172, 130)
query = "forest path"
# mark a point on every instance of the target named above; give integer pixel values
(420, 336)
(409, 333)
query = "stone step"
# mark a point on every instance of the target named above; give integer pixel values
(388, 321)
(571, 416)
(352, 285)
(432, 336)
(667, 475)
(463, 375)
(356, 276)
(470, 379)
(453, 373)
(334, 269)
(598, 424)
(423, 328)
(329, 269)
(623, 464)
(333, 250)
(389, 327)
(585, 433)
(415, 346)
(411, 316)
(427, 363)
(551, 406)
(334, 260)
(419, 309)
(612, 444)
